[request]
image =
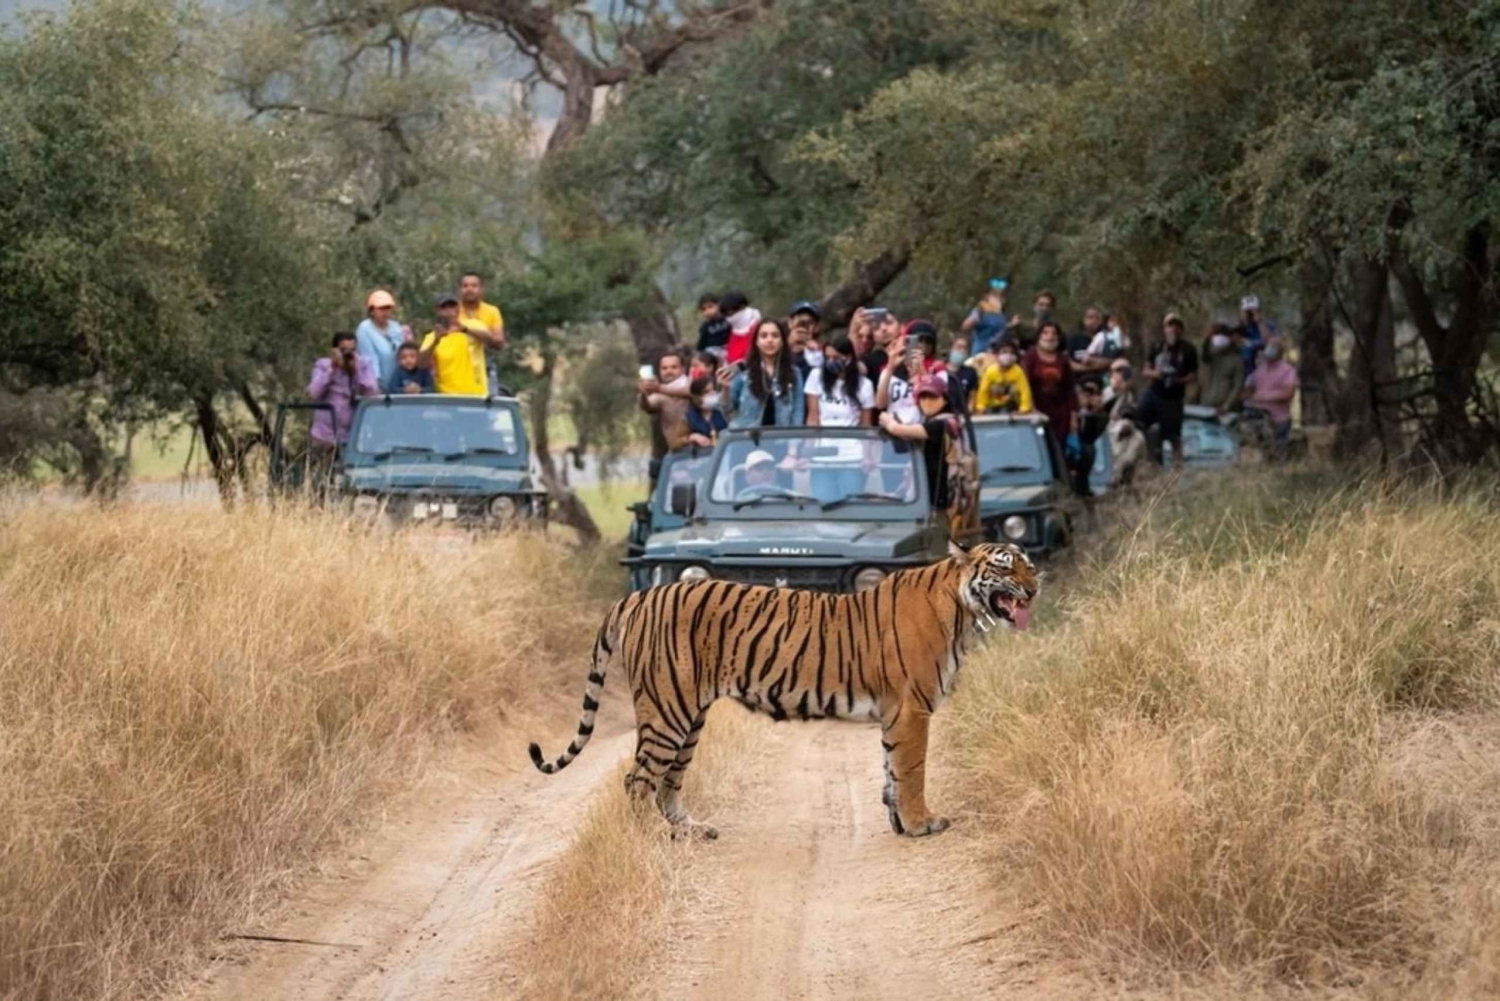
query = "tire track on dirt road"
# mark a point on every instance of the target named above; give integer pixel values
(449, 885)
(821, 901)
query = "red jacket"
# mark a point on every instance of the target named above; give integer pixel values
(1053, 391)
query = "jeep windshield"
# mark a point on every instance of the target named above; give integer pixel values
(801, 477)
(1011, 454)
(437, 432)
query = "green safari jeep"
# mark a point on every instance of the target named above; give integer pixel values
(828, 509)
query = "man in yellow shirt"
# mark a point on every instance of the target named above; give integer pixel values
(1003, 387)
(454, 353)
(480, 318)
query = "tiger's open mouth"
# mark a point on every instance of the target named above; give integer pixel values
(1016, 611)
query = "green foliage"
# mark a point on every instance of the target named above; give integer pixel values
(149, 248)
(707, 154)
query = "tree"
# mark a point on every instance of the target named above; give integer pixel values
(147, 246)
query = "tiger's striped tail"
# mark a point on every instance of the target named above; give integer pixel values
(604, 647)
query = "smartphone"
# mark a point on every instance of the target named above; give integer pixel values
(647, 372)
(877, 314)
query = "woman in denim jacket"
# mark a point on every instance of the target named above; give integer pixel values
(769, 392)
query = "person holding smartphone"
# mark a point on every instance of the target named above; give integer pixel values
(666, 394)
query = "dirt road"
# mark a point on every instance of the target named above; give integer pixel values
(812, 896)
(422, 909)
(820, 900)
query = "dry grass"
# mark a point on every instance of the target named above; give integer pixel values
(612, 901)
(1225, 757)
(192, 703)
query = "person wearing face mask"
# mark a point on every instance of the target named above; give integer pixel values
(704, 418)
(1003, 388)
(963, 378)
(806, 327)
(1271, 388)
(934, 431)
(838, 394)
(1221, 370)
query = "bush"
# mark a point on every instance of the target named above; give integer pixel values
(1196, 765)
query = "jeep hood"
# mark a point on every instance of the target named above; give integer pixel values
(790, 539)
(446, 477)
(999, 500)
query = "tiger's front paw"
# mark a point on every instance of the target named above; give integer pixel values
(934, 825)
(695, 831)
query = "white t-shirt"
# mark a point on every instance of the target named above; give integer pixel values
(904, 402)
(840, 412)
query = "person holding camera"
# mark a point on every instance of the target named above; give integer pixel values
(339, 380)
(1172, 366)
(454, 353)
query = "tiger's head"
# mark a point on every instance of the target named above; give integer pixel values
(998, 581)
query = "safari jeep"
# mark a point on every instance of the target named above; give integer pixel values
(418, 459)
(1024, 493)
(827, 509)
(654, 515)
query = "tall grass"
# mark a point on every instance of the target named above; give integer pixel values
(1204, 764)
(192, 702)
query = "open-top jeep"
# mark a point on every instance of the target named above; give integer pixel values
(830, 509)
(426, 458)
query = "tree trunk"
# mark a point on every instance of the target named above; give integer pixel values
(570, 510)
(1365, 408)
(1457, 349)
(1317, 369)
(211, 427)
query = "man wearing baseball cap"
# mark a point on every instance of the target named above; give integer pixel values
(805, 324)
(449, 350)
(379, 335)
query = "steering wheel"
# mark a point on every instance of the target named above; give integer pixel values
(769, 489)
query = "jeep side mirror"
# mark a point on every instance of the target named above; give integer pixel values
(683, 499)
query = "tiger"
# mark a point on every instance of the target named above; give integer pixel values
(889, 654)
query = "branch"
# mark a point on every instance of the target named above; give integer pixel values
(871, 279)
(654, 55)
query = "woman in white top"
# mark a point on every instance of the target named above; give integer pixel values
(838, 394)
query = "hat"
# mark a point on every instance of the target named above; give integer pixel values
(1173, 318)
(758, 457)
(914, 328)
(379, 298)
(929, 385)
(807, 306)
(446, 299)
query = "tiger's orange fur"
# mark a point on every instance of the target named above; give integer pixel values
(890, 654)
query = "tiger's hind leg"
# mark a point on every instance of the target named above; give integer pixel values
(669, 797)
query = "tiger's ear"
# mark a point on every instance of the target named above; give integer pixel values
(958, 553)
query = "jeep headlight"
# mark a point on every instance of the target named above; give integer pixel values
(868, 578)
(503, 508)
(1014, 528)
(693, 573)
(366, 507)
